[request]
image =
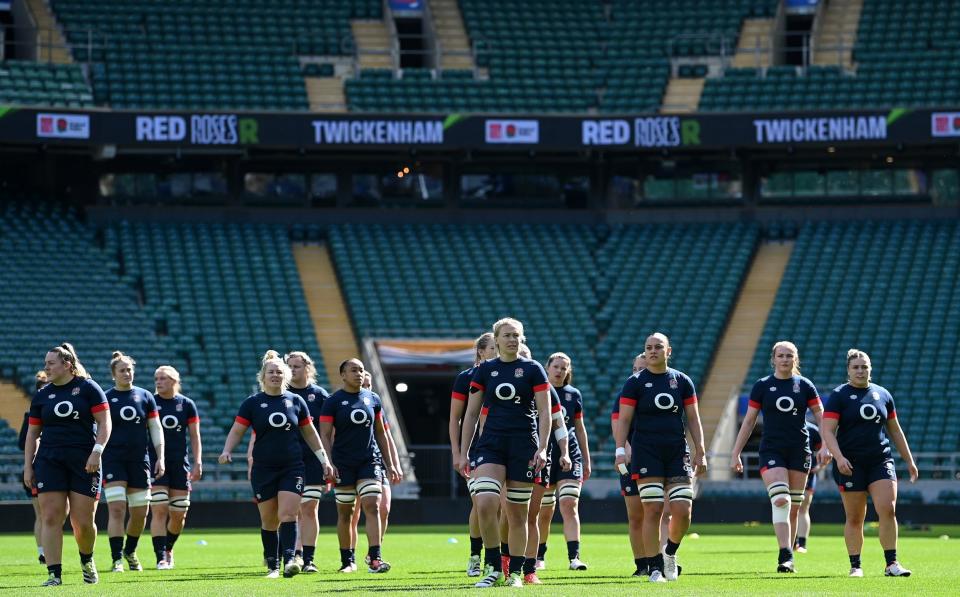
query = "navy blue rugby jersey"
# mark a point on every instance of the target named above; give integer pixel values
(508, 394)
(176, 415)
(353, 415)
(129, 411)
(276, 420)
(461, 385)
(571, 407)
(659, 400)
(816, 442)
(314, 397)
(862, 415)
(66, 414)
(784, 404)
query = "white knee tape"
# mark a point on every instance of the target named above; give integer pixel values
(796, 497)
(683, 493)
(519, 495)
(180, 503)
(139, 498)
(345, 496)
(651, 492)
(311, 492)
(484, 485)
(115, 494)
(369, 489)
(780, 513)
(470, 483)
(159, 498)
(777, 491)
(549, 499)
(569, 492)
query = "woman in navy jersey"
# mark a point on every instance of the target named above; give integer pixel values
(126, 463)
(386, 496)
(512, 447)
(279, 418)
(41, 380)
(484, 349)
(628, 486)
(859, 422)
(543, 491)
(303, 383)
(567, 483)
(72, 413)
(170, 496)
(356, 415)
(631, 496)
(785, 454)
(803, 519)
(652, 406)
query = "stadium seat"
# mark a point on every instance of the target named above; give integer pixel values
(601, 276)
(34, 83)
(148, 43)
(889, 288)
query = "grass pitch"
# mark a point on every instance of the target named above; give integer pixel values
(724, 560)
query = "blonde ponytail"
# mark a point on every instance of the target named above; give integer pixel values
(272, 356)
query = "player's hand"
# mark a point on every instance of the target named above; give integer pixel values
(159, 468)
(225, 458)
(914, 473)
(197, 471)
(93, 463)
(328, 471)
(699, 463)
(735, 463)
(539, 460)
(454, 461)
(824, 456)
(462, 466)
(620, 464)
(587, 469)
(29, 479)
(334, 475)
(395, 473)
(565, 463)
(844, 466)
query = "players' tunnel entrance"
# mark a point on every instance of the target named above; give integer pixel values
(420, 376)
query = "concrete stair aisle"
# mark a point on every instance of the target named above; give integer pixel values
(49, 34)
(682, 96)
(739, 342)
(373, 44)
(755, 44)
(455, 53)
(13, 403)
(328, 309)
(836, 33)
(325, 94)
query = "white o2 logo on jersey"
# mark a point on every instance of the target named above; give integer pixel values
(278, 420)
(671, 404)
(128, 413)
(869, 412)
(506, 391)
(170, 422)
(358, 416)
(60, 411)
(786, 404)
